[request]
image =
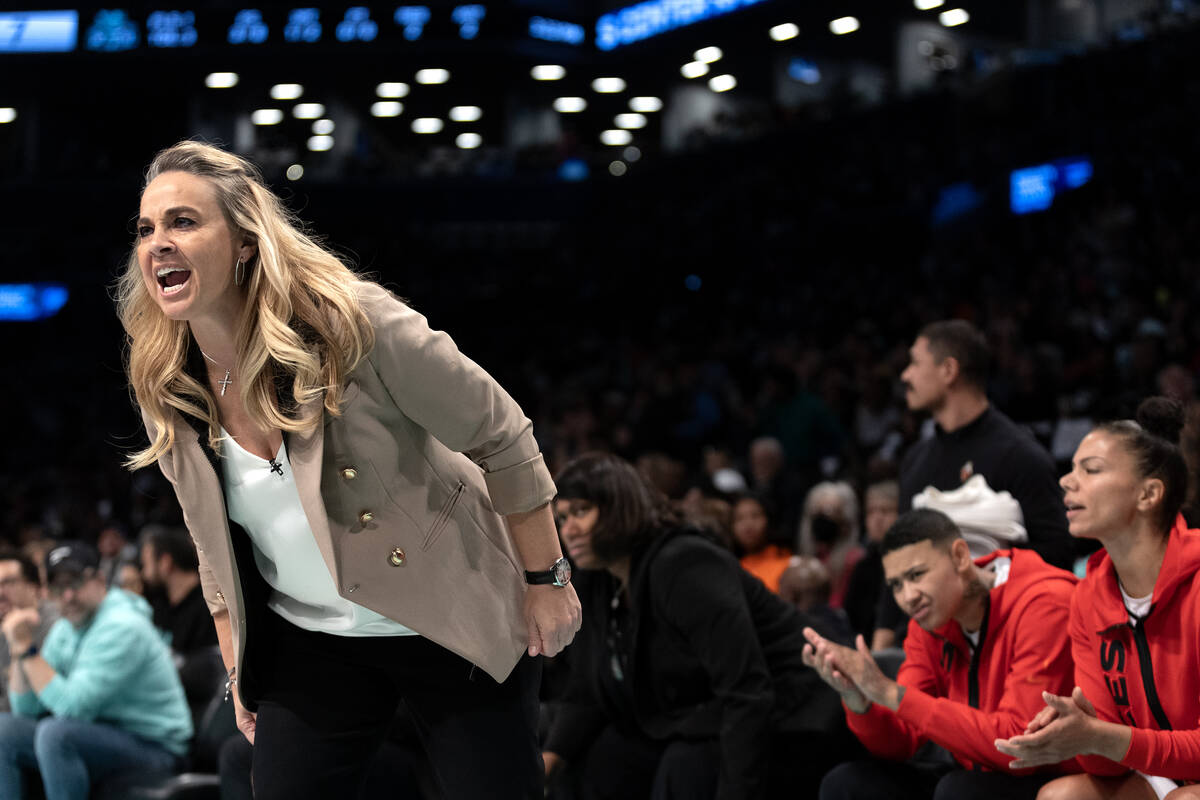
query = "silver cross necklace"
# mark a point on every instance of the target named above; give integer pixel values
(224, 381)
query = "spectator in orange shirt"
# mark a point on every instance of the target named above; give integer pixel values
(752, 521)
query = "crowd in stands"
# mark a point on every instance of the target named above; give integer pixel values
(765, 401)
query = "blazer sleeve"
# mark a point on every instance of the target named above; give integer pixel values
(213, 597)
(698, 592)
(459, 403)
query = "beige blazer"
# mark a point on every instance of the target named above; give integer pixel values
(403, 491)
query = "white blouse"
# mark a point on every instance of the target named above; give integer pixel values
(261, 496)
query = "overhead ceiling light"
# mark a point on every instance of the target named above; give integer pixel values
(391, 89)
(7, 115)
(428, 76)
(323, 127)
(617, 168)
(548, 72)
(645, 105)
(320, 143)
(608, 85)
(466, 113)
(843, 25)
(925, 5)
(386, 108)
(955, 16)
(468, 141)
(286, 91)
(788, 30)
(427, 125)
(708, 54)
(570, 105)
(308, 111)
(722, 83)
(267, 116)
(221, 80)
(630, 121)
(616, 137)
(295, 172)
(694, 69)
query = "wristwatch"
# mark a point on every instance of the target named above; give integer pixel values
(559, 574)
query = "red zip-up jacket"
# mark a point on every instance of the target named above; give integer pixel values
(964, 704)
(1147, 677)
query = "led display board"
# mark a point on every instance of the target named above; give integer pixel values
(38, 31)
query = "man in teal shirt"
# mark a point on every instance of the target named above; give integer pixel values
(100, 697)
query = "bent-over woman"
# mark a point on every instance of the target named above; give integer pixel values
(369, 507)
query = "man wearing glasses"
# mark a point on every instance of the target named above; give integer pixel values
(20, 589)
(101, 697)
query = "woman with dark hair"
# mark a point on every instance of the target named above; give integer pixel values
(1135, 622)
(686, 677)
(753, 521)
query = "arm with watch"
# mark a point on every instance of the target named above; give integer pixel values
(552, 611)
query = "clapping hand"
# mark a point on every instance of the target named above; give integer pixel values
(1065, 728)
(852, 672)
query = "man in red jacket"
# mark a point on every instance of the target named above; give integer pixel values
(985, 639)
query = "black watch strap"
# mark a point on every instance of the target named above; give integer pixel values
(558, 575)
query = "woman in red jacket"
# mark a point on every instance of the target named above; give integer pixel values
(1135, 622)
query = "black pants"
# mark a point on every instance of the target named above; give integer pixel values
(330, 701)
(874, 778)
(625, 767)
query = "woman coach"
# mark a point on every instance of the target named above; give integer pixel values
(343, 470)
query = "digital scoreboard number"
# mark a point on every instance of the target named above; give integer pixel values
(38, 31)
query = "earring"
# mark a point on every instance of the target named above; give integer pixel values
(239, 273)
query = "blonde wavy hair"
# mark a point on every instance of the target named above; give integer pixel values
(303, 318)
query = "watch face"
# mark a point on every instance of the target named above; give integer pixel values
(562, 572)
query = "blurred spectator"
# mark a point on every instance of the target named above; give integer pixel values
(876, 416)
(829, 531)
(171, 571)
(712, 515)
(129, 578)
(21, 588)
(772, 479)
(752, 528)
(1176, 382)
(100, 699)
(882, 504)
(805, 584)
(115, 549)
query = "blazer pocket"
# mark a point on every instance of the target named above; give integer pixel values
(443, 517)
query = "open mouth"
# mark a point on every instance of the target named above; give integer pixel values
(172, 279)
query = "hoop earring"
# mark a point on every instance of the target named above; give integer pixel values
(239, 273)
